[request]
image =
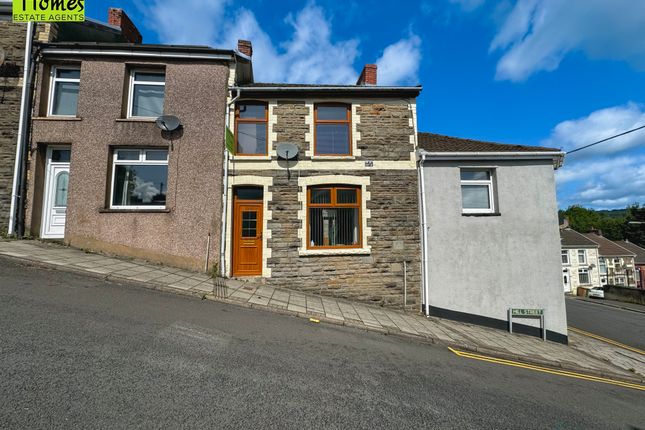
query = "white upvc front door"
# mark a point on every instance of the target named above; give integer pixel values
(55, 195)
(566, 280)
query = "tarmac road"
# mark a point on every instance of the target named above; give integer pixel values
(80, 352)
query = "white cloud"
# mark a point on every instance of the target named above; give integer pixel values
(598, 125)
(608, 175)
(400, 62)
(537, 34)
(468, 5)
(309, 55)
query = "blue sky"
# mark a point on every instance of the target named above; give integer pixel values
(561, 73)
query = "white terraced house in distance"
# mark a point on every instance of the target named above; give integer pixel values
(580, 264)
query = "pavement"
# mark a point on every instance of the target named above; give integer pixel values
(79, 351)
(584, 354)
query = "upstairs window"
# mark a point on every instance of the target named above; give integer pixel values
(139, 179)
(603, 266)
(146, 93)
(565, 256)
(334, 213)
(63, 97)
(332, 129)
(251, 128)
(582, 256)
(477, 191)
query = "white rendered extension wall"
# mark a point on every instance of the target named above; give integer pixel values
(483, 265)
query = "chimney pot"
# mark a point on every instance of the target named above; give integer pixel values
(245, 47)
(368, 75)
(121, 19)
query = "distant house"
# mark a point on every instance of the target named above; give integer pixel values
(639, 261)
(580, 265)
(616, 263)
(490, 232)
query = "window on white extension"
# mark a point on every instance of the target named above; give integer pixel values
(63, 95)
(477, 194)
(139, 179)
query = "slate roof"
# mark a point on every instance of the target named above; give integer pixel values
(432, 142)
(572, 239)
(640, 252)
(608, 248)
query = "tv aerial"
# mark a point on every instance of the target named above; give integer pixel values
(287, 151)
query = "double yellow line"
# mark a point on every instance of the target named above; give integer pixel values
(609, 341)
(566, 373)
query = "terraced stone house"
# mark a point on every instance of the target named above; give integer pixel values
(340, 217)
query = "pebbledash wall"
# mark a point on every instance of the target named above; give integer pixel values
(382, 164)
(178, 235)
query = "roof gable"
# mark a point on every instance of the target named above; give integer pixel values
(572, 239)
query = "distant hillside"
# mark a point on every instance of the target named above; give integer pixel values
(613, 213)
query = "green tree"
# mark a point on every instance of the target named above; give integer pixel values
(582, 219)
(635, 224)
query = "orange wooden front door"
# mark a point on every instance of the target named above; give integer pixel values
(247, 238)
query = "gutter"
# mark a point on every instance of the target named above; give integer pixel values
(556, 156)
(134, 53)
(222, 263)
(17, 196)
(424, 240)
(358, 88)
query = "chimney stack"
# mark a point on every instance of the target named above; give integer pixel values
(368, 75)
(120, 19)
(245, 47)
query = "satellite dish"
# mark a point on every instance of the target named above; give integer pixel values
(168, 122)
(287, 151)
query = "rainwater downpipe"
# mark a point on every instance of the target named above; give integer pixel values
(23, 125)
(222, 262)
(424, 239)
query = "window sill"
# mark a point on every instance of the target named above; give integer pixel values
(481, 214)
(332, 157)
(139, 211)
(149, 120)
(57, 118)
(339, 251)
(250, 158)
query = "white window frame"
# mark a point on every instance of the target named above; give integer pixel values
(131, 89)
(602, 263)
(565, 252)
(488, 183)
(140, 162)
(585, 271)
(53, 80)
(584, 256)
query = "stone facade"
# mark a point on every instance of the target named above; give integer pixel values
(12, 41)
(570, 270)
(384, 133)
